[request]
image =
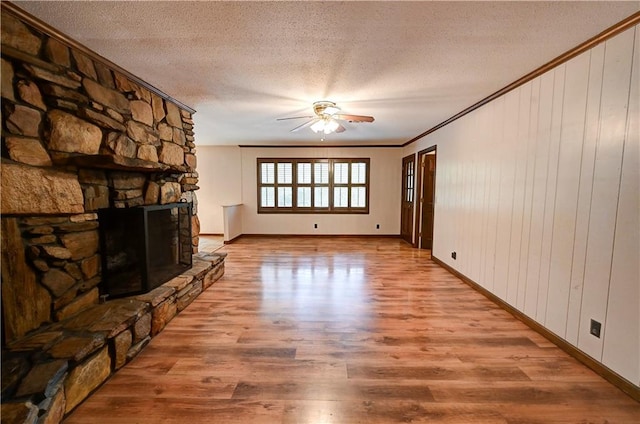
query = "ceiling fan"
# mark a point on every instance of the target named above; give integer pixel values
(326, 118)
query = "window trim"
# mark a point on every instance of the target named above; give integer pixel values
(294, 186)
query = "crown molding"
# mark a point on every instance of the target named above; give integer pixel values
(565, 57)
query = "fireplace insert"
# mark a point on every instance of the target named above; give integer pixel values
(143, 247)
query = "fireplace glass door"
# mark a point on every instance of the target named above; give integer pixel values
(143, 247)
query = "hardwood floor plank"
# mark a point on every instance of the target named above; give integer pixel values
(330, 390)
(184, 386)
(349, 330)
(167, 410)
(438, 373)
(253, 369)
(388, 412)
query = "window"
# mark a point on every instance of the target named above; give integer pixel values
(313, 185)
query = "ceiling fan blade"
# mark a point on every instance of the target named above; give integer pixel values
(340, 129)
(353, 118)
(295, 117)
(305, 125)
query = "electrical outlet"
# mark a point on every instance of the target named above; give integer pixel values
(454, 255)
(377, 226)
(315, 225)
(595, 328)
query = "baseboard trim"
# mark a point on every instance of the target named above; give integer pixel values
(233, 240)
(324, 235)
(611, 376)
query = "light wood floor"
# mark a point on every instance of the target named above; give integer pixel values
(349, 330)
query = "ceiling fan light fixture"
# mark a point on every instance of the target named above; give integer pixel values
(330, 126)
(325, 125)
(318, 126)
(327, 117)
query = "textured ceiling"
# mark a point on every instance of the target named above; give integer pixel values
(411, 65)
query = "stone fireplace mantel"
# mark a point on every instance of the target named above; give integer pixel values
(118, 163)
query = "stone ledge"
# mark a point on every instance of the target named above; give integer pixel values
(114, 163)
(45, 375)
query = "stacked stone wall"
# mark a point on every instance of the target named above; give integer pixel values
(77, 136)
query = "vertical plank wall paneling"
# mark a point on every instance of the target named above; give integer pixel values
(477, 194)
(495, 167)
(621, 342)
(485, 190)
(465, 187)
(506, 151)
(557, 116)
(606, 187)
(522, 149)
(537, 192)
(556, 275)
(530, 161)
(469, 174)
(540, 125)
(592, 125)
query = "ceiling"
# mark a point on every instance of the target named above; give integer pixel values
(411, 65)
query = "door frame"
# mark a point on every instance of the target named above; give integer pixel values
(419, 191)
(407, 159)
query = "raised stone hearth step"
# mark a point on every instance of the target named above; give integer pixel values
(46, 374)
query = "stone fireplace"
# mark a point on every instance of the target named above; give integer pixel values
(81, 135)
(78, 137)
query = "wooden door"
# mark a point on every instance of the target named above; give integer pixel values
(428, 197)
(408, 194)
(425, 198)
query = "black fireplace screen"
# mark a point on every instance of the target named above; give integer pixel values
(143, 247)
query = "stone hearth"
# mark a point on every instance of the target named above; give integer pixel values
(49, 372)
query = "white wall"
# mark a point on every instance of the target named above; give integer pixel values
(538, 193)
(384, 199)
(228, 176)
(220, 181)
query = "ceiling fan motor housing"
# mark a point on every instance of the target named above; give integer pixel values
(320, 108)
